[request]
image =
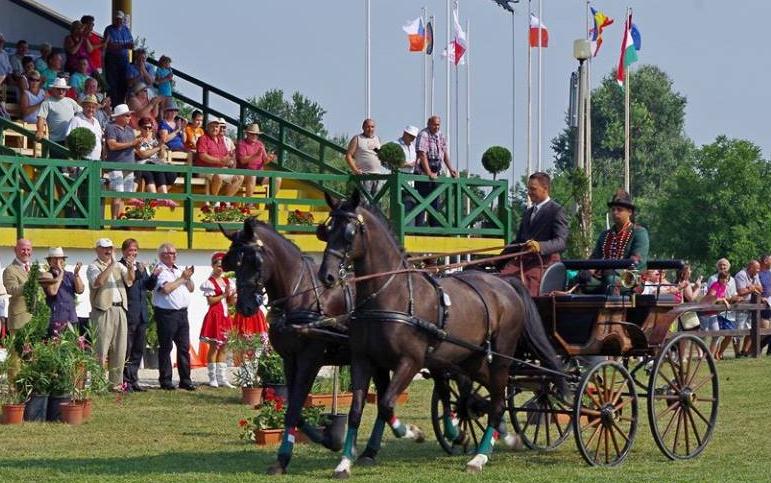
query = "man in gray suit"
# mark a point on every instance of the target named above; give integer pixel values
(14, 278)
(543, 231)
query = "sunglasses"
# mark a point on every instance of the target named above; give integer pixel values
(33, 79)
(147, 127)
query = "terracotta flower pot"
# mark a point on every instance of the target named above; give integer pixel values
(343, 400)
(251, 395)
(400, 399)
(71, 413)
(13, 413)
(86, 403)
(268, 437)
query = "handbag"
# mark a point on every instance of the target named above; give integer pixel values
(689, 320)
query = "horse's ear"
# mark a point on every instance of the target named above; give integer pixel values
(355, 198)
(332, 202)
(250, 225)
(230, 235)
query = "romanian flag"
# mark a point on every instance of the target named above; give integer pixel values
(416, 34)
(628, 51)
(539, 34)
(600, 22)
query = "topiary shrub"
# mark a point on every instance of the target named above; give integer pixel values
(496, 159)
(81, 142)
(391, 156)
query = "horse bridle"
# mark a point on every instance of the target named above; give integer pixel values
(259, 260)
(354, 225)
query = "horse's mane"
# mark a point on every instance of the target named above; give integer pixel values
(270, 229)
(378, 214)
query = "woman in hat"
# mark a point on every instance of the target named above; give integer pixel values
(152, 151)
(61, 289)
(217, 323)
(251, 154)
(624, 240)
(171, 129)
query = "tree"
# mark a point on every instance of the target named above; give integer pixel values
(496, 159)
(715, 206)
(658, 141)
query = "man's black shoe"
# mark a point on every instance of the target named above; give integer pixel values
(187, 387)
(168, 387)
(138, 388)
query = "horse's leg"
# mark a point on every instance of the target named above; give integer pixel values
(291, 418)
(499, 375)
(442, 385)
(361, 371)
(387, 401)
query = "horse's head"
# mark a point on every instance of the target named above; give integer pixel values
(342, 233)
(245, 258)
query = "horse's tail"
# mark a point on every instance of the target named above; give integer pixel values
(535, 334)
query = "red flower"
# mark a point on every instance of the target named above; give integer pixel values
(243, 422)
(153, 203)
(269, 394)
(122, 215)
(279, 404)
(298, 213)
(245, 210)
(205, 209)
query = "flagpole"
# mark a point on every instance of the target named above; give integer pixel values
(425, 66)
(627, 88)
(468, 94)
(529, 101)
(457, 92)
(431, 66)
(540, 84)
(447, 130)
(513, 94)
(588, 116)
(367, 105)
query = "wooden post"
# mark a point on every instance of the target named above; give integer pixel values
(755, 327)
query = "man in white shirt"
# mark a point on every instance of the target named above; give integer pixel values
(407, 143)
(171, 298)
(87, 119)
(747, 284)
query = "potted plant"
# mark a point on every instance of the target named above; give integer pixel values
(267, 424)
(322, 390)
(270, 370)
(88, 378)
(391, 156)
(496, 159)
(300, 218)
(150, 356)
(37, 365)
(246, 350)
(224, 213)
(144, 210)
(11, 395)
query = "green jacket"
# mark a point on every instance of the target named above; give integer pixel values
(638, 246)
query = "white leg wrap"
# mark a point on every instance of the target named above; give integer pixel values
(344, 466)
(477, 463)
(513, 441)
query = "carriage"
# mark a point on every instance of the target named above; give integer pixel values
(618, 349)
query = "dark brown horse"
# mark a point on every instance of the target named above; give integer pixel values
(467, 322)
(263, 260)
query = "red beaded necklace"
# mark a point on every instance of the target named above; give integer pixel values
(615, 243)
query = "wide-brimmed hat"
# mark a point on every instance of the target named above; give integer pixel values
(104, 243)
(90, 99)
(412, 131)
(221, 121)
(45, 278)
(171, 106)
(621, 198)
(56, 252)
(60, 83)
(213, 120)
(253, 129)
(139, 87)
(121, 110)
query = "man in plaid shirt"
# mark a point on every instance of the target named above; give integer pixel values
(431, 147)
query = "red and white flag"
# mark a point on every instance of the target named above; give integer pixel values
(459, 43)
(539, 34)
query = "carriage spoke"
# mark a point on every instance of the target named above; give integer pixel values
(677, 432)
(695, 370)
(667, 397)
(478, 424)
(615, 441)
(686, 432)
(556, 416)
(607, 445)
(596, 430)
(537, 428)
(701, 416)
(613, 384)
(675, 372)
(693, 425)
(547, 418)
(621, 431)
(705, 399)
(599, 442)
(671, 420)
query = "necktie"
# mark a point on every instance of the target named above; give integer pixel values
(26, 267)
(535, 210)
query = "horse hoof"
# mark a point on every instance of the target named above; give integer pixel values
(476, 464)
(420, 436)
(276, 469)
(366, 461)
(341, 475)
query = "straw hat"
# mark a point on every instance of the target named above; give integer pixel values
(253, 129)
(104, 243)
(56, 252)
(90, 99)
(60, 83)
(121, 110)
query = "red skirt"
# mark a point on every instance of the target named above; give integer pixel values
(216, 324)
(254, 324)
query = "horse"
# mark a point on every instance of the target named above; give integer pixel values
(470, 322)
(262, 259)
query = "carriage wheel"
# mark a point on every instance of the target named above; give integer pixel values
(683, 397)
(470, 411)
(605, 414)
(531, 405)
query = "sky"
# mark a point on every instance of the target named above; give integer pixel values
(316, 47)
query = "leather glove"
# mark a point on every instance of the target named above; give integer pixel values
(533, 246)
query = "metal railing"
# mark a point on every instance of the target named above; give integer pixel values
(37, 192)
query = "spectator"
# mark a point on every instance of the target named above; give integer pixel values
(78, 79)
(223, 134)
(142, 106)
(118, 41)
(152, 151)
(120, 143)
(194, 131)
(139, 70)
(687, 291)
(711, 322)
(3, 307)
(217, 323)
(32, 97)
(76, 48)
(41, 62)
(747, 284)
(87, 119)
(137, 315)
(108, 281)
(251, 154)
(362, 156)
(431, 147)
(94, 45)
(5, 62)
(14, 277)
(164, 77)
(171, 129)
(104, 110)
(61, 289)
(27, 68)
(171, 298)
(719, 291)
(17, 59)
(51, 70)
(765, 315)
(211, 152)
(55, 113)
(407, 143)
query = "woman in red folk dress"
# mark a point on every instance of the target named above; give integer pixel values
(251, 325)
(217, 323)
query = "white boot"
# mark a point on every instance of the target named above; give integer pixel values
(222, 375)
(211, 368)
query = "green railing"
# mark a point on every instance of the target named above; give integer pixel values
(38, 192)
(297, 148)
(50, 149)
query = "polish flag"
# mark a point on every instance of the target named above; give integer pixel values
(539, 34)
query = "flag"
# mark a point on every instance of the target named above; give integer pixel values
(429, 38)
(451, 49)
(459, 44)
(628, 52)
(537, 27)
(416, 34)
(600, 22)
(636, 37)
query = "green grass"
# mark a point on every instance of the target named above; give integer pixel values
(188, 437)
